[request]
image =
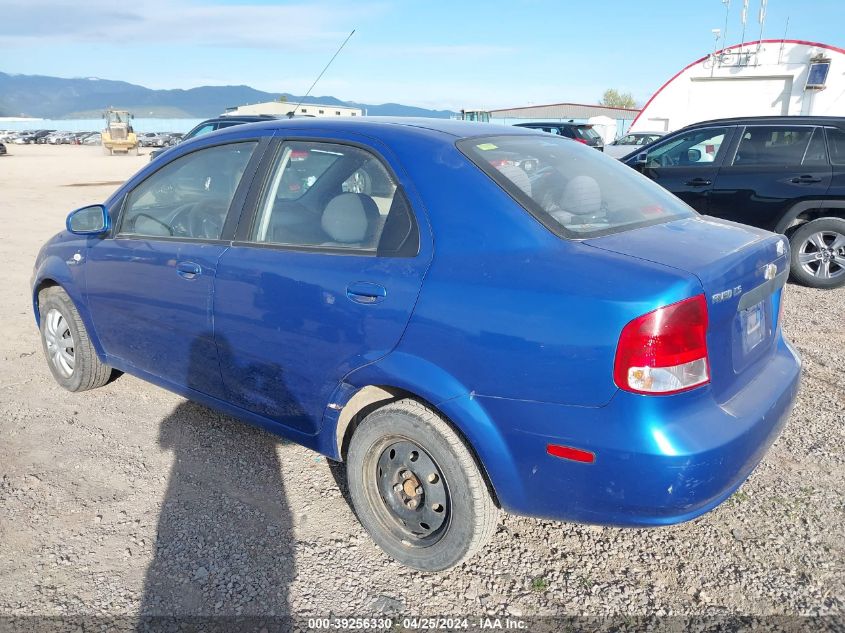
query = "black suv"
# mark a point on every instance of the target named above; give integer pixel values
(784, 174)
(581, 132)
(218, 123)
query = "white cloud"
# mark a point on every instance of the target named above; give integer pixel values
(181, 22)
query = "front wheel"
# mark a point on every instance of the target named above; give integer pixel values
(417, 489)
(70, 354)
(818, 253)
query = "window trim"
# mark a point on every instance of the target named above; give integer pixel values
(261, 181)
(236, 204)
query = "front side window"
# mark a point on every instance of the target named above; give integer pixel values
(696, 148)
(189, 197)
(773, 145)
(333, 196)
(205, 129)
(574, 192)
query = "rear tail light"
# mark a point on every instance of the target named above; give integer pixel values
(664, 351)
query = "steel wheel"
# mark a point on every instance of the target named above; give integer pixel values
(60, 344)
(822, 255)
(414, 502)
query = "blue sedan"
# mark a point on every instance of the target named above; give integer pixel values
(472, 317)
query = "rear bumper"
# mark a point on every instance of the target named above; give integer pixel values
(659, 460)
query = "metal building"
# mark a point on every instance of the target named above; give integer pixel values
(764, 77)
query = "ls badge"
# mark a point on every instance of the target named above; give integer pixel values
(719, 297)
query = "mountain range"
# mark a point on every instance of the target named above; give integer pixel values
(61, 98)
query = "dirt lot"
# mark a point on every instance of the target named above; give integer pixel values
(129, 499)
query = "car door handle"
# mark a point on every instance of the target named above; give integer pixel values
(698, 182)
(366, 292)
(188, 270)
(806, 179)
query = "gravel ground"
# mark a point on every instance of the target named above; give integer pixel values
(129, 499)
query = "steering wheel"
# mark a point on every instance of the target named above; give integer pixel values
(667, 161)
(202, 219)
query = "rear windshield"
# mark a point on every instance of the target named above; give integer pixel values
(574, 190)
(585, 132)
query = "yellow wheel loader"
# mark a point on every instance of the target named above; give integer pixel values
(118, 136)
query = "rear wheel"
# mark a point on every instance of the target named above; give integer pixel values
(70, 354)
(417, 489)
(818, 253)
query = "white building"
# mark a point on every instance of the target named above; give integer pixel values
(768, 77)
(282, 108)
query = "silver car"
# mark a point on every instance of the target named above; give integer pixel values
(628, 143)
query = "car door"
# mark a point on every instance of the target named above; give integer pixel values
(686, 164)
(321, 280)
(773, 168)
(149, 286)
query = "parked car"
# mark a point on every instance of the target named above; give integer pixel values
(403, 296)
(218, 123)
(34, 137)
(581, 132)
(628, 143)
(783, 174)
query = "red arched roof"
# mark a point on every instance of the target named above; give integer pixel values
(701, 59)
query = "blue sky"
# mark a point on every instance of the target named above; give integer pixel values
(435, 54)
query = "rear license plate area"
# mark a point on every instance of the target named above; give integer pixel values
(753, 327)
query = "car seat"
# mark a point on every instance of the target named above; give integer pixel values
(351, 220)
(580, 197)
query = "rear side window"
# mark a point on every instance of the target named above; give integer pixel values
(836, 143)
(585, 132)
(331, 196)
(573, 190)
(773, 145)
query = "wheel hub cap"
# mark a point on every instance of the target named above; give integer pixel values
(60, 345)
(823, 255)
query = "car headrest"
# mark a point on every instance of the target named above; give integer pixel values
(517, 176)
(581, 196)
(350, 218)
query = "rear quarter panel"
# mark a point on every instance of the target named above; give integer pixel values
(510, 310)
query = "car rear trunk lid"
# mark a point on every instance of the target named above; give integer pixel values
(741, 270)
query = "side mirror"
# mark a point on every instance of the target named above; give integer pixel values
(693, 155)
(642, 158)
(91, 220)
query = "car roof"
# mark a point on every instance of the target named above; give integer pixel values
(241, 117)
(377, 126)
(756, 120)
(552, 123)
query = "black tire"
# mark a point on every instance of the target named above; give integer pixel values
(86, 372)
(818, 253)
(449, 477)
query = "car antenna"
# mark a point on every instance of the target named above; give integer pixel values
(337, 52)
